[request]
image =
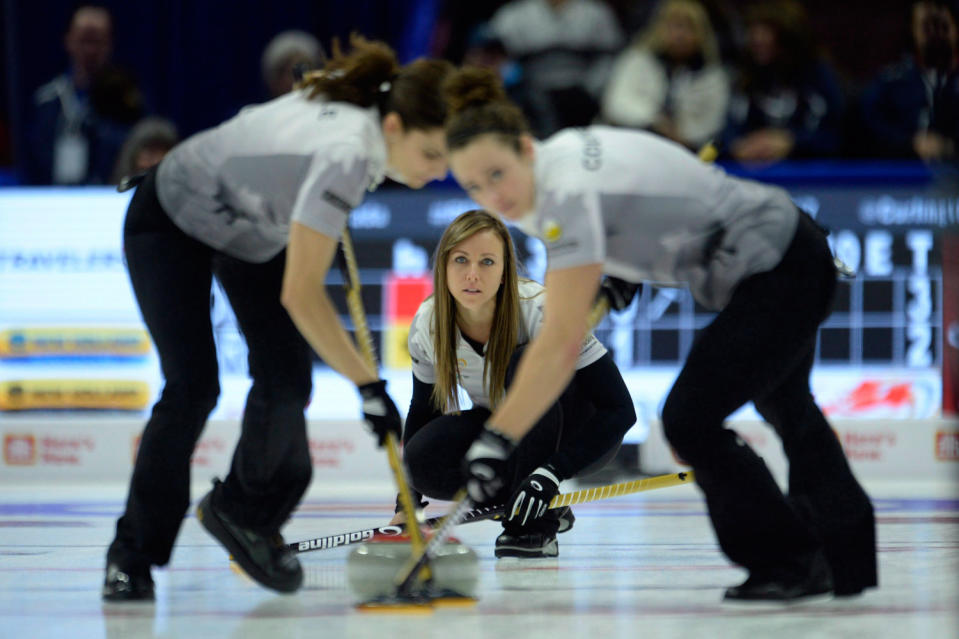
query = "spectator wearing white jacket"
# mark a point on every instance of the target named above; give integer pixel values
(671, 81)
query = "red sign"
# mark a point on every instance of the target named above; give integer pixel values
(404, 296)
(19, 449)
(874, 396)
(950, 325)
(867, 445)
(947, 445)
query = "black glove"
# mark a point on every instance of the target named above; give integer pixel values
(418, 502)
(531, 499)
(619, 293)
(485, 465)
(379, 411)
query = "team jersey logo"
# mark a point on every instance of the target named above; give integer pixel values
(552, 231)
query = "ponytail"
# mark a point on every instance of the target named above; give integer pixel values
(478, 105)
(369, 75)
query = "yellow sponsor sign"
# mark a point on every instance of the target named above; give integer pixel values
(59, 394)
(73, 342)
(396, 353)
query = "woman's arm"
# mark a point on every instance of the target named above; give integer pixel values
(308, 258)
(421, 413)
(602, 387)
(548, 363)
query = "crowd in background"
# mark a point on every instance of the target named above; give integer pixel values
(751, 77)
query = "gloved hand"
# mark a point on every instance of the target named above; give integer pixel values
(619, 293)
(418, 502)
(485, 465)
(531, 499)
(379, 411)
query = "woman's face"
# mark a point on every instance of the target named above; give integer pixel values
(474, 271)
(679, 36)
(497, 176)
(414, 156)
(763, 44)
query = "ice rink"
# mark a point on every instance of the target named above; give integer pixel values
(645, 565)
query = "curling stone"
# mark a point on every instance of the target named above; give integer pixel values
(372, 566)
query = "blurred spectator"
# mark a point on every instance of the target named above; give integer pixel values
(671, 80)
(565, 50)
(786, 100)
(284, 52)
(115, 96)
(73, 138)
(146, 145)
(723, 18)
(486, 51)
(912, 109)
(455, 31)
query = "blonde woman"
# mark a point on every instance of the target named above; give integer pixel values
(468, 335)
(671, 80)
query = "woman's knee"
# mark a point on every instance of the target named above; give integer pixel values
(433, 473)
(680, 426)
(299, 468)
(419, 464)
(196, 397)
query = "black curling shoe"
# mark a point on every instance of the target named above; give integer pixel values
(779, 590)
(264, 557)
(531, 546)
(566, 519)
(124, 583)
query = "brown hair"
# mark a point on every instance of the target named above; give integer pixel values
(506, 317)
(794, 38)
(370, 75)
(478, 106)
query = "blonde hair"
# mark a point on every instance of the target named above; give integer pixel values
(369, 75)
(653, 37)
(506, 317)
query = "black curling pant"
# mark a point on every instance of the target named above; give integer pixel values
(434, 454)
(271, 468)
(760, 348)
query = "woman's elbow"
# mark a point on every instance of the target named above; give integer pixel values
(294, 300)
(289, 300)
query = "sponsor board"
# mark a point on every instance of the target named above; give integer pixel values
(876, 449)
(43, 448)
(73, 394)
(49, 447)
(66, 342)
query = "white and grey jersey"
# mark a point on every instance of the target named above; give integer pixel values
(532, 297)
(238, 186)
(649, 210)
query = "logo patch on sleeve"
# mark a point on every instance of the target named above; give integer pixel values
(552, 231)
(337, 201)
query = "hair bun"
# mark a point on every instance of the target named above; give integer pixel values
(472, 87)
